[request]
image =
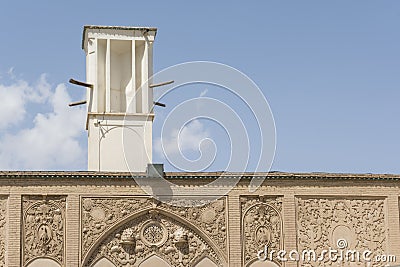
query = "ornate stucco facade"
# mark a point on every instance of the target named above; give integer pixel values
(105, 219)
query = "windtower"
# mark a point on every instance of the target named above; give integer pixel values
(119, 64)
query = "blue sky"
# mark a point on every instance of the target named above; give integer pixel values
(330, 72)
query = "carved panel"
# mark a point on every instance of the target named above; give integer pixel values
(261, 225)
(3, 227)
(153, 233)
(100, 214)
(43, 227)
(347, 224)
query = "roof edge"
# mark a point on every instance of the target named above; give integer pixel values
(128, 28)
(196, 175)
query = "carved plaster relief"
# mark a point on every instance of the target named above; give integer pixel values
(43, 228)
(348, 224)
(261, 225)
(153, 233)
(101, 214)
(3, 226)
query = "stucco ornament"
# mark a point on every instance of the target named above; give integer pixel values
(261, 225)
(347, 224)
(101, 214)
(153, 233)
(3, 226)
(43, 231)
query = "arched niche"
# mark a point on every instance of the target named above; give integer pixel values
(154, 261)
(43, 262)
(103, 262)
(206, 262)
(263, 264)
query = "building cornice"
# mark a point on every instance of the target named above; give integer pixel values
(198, 175)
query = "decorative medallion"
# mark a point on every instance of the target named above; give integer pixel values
(154, 234)
(263, 235)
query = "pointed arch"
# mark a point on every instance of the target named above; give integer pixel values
(103, 262)
(217, 253)
(154, 260)
(206, 262)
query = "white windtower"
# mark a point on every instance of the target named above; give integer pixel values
(119, 63)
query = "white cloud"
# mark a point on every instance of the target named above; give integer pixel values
(16, 96)
(188, 139)
(53, 140)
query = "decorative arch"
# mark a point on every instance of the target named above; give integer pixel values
(154, 260)
(43, 262)
(154, 231)
(258, 263)
(206, 262)
(103, 262)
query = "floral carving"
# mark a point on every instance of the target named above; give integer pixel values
(43, 231)
(3, 225)
(155, 234)
(100, 214)
(358, 224)
(261, 225)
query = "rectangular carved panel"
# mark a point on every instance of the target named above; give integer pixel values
(343, 224)
(261, 225)
(43, 228)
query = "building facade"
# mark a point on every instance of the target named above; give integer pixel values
(105, 218)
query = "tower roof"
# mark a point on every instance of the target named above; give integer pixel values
(118, 28)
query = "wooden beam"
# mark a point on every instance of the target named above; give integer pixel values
(77, 103)
(80, 83)
(160, 84)
(159, 104)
